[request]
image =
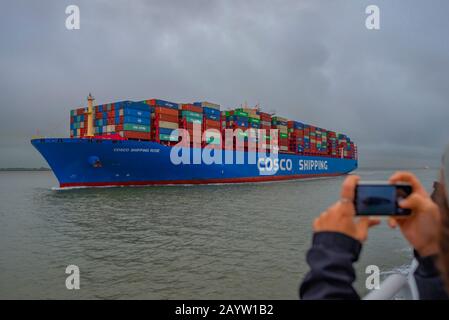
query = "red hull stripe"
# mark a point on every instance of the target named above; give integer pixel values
(198, 181)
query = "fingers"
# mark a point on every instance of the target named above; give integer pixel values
(348, 188)
(415, 201)
(403, 176)
(347, 195)
(392, 223)
(363, 225)
(316, 224)
(373, 222)
(366, 222)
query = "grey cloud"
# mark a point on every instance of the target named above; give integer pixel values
(308, 60)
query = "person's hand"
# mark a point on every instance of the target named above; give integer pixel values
(341, 216)
(421, 228)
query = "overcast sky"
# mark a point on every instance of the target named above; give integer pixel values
(313, 61)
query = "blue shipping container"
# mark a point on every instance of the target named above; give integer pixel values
(209, 111)
(136, 120)
(166, 131)
(130, 111)
(137, 105)
(298, 125)
(167, 104)
(212, 117)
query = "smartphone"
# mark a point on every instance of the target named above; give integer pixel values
(379, 198)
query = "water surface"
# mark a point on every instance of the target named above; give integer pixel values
(243, 241)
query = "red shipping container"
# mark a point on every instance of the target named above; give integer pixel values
(137, 135)
(212, 124)
(191, 107)
(99, 115)
(166, 117)
(162, 110)
(190, 125)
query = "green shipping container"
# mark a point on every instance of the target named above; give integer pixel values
(253, 120)
(283, 135)
(240, 113)
(136, 127)
(193, 120)
(168, 137)
(191, 114)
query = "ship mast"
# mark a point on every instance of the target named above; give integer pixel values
(90, 118)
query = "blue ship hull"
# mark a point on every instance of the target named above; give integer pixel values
(96, 162)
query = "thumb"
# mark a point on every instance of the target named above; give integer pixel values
(373, 222)
(363, 225)
(392, 222)
(414, 201)
(366, 222)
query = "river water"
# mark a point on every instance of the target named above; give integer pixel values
(243, 241)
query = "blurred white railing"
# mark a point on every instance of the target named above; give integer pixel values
(394, 284)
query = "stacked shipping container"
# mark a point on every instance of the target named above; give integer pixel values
(296, 136)
(127, 119)
(157, 119)
(282, 125)
(211, 123)
(164, 118)
(78, 123)
(265, 124)
(238, 120)
(192, 115)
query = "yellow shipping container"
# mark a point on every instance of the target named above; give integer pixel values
(169, 125)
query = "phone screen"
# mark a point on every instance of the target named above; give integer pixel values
(374, 200)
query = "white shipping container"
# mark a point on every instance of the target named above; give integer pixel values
(169, 125)
(210, 105)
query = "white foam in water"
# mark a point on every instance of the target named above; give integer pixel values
(191, 184)
(403, 269)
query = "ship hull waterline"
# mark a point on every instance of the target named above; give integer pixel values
(140, 163)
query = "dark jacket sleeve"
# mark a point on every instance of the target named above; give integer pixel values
(429, 283)
(331, 271)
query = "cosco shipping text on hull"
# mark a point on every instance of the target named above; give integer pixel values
(97, 162)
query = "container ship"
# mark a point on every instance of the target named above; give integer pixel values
(130, 143)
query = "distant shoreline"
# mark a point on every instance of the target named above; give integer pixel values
(398, 168)
(24, 169)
